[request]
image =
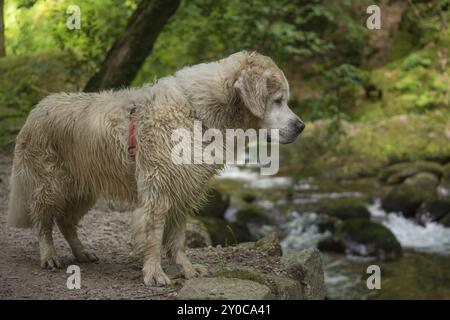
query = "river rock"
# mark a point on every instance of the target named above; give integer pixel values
(269, 244)
(434, 210)
(197, 235)
(397, 173)
(367, 238)
(220, 288)
(225, 233)
(445, 221)
(306, 267)
(281, 287)
(217, 204)
(252, 214)
(425, 181)
(345, 208)
(409, 196)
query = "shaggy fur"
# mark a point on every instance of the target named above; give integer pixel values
(72, 150)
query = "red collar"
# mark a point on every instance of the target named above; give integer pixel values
(132, 134)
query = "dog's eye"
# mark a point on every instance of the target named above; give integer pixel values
(278, 100)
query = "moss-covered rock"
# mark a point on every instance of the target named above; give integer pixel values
(197, 235)
(408, 197)
(367, 238)
(424, 181)
(247, 195)
(252, 214)
(270, 244)
(363, 237)
(283, 288)
(331, 244)
(224, 233)
(329, 224)
(307, 267)
(445, 221)
(346, 208)
(436, 209)
(397, 173)
(446, 171)
(217, 204)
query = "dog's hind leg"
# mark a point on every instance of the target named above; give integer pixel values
(43, 211)
(174, 244)
(68, 223)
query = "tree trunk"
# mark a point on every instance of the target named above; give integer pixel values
(130, 50)
(2, 30)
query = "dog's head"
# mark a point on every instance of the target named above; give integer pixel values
(264, 92)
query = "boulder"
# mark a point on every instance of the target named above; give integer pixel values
(224, 233)
(306, 267)
(282, 288)
(408, 197)
(367, 238)
(248, 196)
(217, 204)
(269, 244)
(345, 208)
(397, 173)
(425, 181)
(331, 244)
(405, 199)
(197, 235)
(446, 173)
(221, 288)
(445, 221)
(434, 210)
(252, 214)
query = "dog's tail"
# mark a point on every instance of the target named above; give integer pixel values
(19, 200)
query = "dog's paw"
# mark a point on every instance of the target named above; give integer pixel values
(194, 271)
(85, 256)
(155, 276)
(51, 263)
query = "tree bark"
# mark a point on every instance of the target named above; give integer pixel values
(130, 50)
(2, 30)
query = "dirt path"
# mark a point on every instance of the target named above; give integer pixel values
(117, 274)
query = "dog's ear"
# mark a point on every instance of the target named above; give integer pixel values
(251, 86)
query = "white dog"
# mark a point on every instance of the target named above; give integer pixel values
(73, 149)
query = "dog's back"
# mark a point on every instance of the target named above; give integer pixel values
(72, 139)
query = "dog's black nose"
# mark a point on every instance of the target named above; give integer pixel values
(299, 126)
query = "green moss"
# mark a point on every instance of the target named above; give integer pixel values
(396, 173)
(224, 233)
(27, 79)
(402, 45)
(346, 208)
(250, 213)
(363, 231)
(241, 274)
(247, 195)
(404, 199)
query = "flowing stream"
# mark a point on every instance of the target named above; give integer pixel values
(423, 272)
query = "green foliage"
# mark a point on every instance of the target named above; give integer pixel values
(33, 26)
(288, 31)
(27, 79)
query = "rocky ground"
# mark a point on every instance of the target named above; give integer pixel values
(117, 274)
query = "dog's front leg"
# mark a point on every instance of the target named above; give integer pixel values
(174, 244)
(149, 224)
